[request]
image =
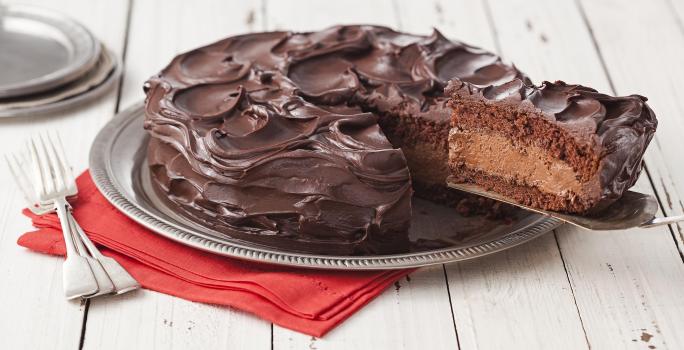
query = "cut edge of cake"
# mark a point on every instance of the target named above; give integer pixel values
(556, 146)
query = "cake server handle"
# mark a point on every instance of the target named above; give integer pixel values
(662, 221)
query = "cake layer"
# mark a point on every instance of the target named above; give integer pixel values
(527, 195)
(528, 128)
(424, 144)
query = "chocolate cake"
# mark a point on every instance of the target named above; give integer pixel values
(556, 146)
(305, 140)
(317, 141)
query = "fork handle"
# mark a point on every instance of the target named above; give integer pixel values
(89, 245)
(62, 208)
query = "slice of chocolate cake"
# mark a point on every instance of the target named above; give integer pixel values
(557, 147)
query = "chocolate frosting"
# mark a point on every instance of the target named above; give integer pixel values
(617, 129)
(265, 134)
(273, 136)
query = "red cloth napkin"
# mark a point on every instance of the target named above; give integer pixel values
(305, 300)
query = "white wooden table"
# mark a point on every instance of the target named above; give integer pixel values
(571, 289)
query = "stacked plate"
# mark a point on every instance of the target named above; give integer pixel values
(49, 62)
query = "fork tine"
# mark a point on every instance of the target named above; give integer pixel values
(63, 160)
(56, 161)
(44, 165)
(57, 176)
(24, 174)
(38, 167)
(14, 168)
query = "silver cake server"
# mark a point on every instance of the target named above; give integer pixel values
(634, 209)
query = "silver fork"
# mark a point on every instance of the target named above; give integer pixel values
(77, 275)
(121, 280)
(109, 274)
(62, 173)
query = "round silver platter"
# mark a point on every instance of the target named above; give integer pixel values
(118, 167)
(44, 50)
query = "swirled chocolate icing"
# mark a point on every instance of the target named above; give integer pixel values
(270, 137)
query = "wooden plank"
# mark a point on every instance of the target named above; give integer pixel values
(515, 299)
(150, 320)
(415, 313)
(644, 60)
(459, 20)
(161, 30)
(35, 313)
(412, 314)
(535, 36)
(158, 31)
(660, 43)
(307, 15)
(660, 169)
(677, 9)
(626, 283)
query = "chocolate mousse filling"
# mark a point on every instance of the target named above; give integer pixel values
(500, 158)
